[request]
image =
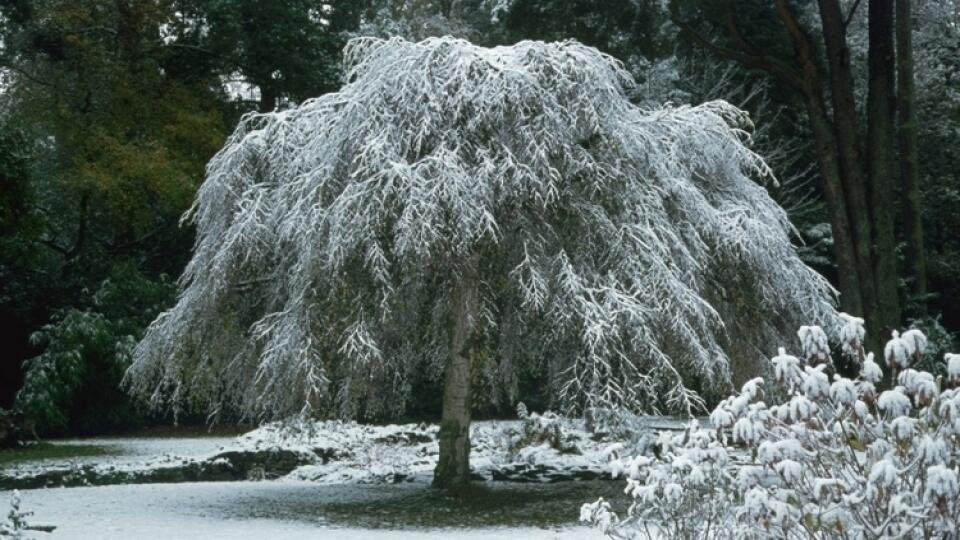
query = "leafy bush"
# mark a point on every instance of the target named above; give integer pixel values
(14, 429)
(74, 383)
(837, 459)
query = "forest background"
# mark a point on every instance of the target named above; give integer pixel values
(110, 109)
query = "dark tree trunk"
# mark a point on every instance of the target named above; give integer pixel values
(848, 146)
(268, 98)
(909, 172)
(851, 298)
(453, 465)
(830, 161)
(880, 153)
(860, 198)
(845, 123)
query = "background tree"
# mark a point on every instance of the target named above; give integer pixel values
(458, 210)
(881, 159)
(116, 148)
(858, 170)
(287, 50)
(118, 105)
(916, 260)
(937, 75)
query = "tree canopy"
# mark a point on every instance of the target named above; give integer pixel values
(617, 248)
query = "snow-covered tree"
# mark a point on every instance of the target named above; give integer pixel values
(465, 212)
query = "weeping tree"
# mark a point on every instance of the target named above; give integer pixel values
(467, 213)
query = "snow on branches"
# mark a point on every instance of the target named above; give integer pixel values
(824, 460)
(616, 249)
(15, 526)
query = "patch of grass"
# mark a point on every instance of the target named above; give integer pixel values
(38, 451)
(482, 505)
(187, 431)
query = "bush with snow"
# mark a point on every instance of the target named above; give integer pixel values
(538, 430)
(14, 526)
(833, 458)
(73, 383)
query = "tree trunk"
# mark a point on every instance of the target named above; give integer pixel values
(828, 156)
(851, 298)
(453, 465)
(880, 153)
(909, 172)
(848, 148)
(268, 98)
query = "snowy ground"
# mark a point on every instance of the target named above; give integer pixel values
(338, 453)
(236, 511)
(360, 481)
(128, 453)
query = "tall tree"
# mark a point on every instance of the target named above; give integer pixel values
(845, 121)
(881, 159)
(117, 145)
(460, 210)
(857, 182)
(916, 259)
(287, 50)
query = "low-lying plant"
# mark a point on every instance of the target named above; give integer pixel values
(828, 457)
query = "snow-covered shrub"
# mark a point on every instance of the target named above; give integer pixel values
(14, 526)
(835, 458)
(686, 492)
(522, 412)
(941, 342)
(538, 430)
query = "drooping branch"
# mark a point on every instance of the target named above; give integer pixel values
(617, 249)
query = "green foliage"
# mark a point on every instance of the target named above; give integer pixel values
(14, 187)
(20, 226)
(74, 382)
(109, 147)
(287, 49)
(626, 30)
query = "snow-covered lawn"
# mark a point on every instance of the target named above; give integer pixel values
(336, 480)
(140, 448)
(354, 481)
(277, 510)
(329, 453)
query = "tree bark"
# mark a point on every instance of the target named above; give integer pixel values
(880, 153)
(268, 98)
(860, 202)
(851, 298)
(848, 145)
(829, 157)
(909, 171)
(453, 465)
